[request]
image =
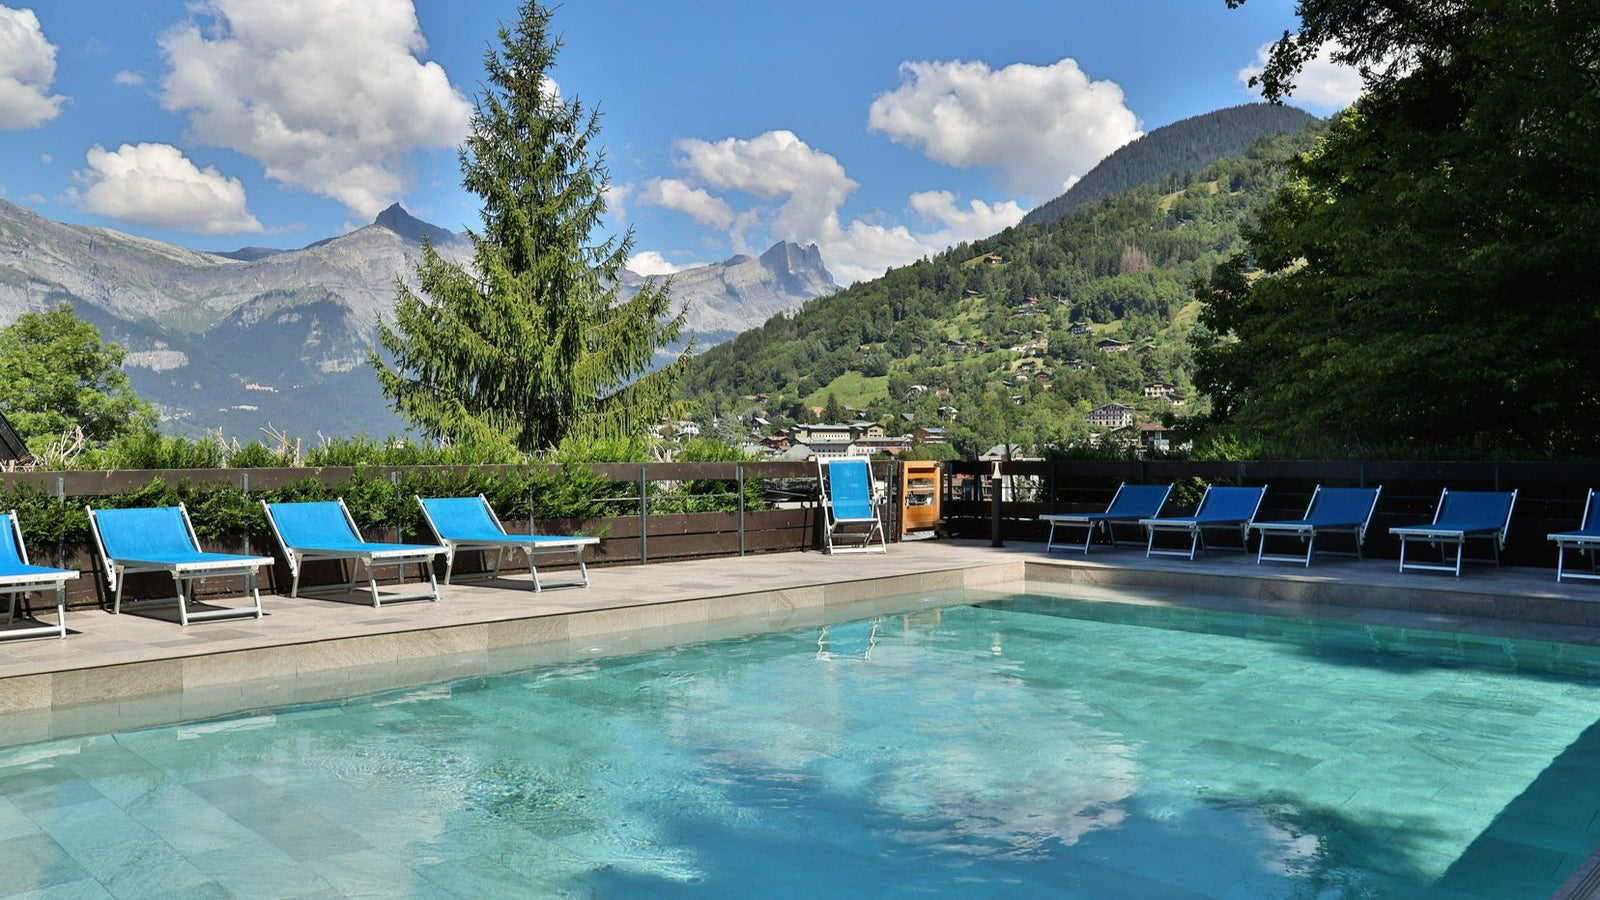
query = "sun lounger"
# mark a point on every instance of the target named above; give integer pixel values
(324, 529)
(469, 523)
(1584, 540)
(1130, 504)
(1220, 507)
(1460, 517)
(1331, 510)
(162, 539)
(848, 501)
(19, 578)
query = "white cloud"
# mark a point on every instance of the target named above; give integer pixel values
(1037, 125)
(651, 262)
(155, 184)
(27, 69)
(1322, 83)
(328, 95)
(794, 192)
(46, 158)
(775, 165)
(696, 203)
(125, 78)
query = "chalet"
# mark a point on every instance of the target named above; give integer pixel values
(1080, 329)
(1155, 436)
(1110, 345)
(1112, 415)
(930, 435)
(949, 412)
(1161, 390)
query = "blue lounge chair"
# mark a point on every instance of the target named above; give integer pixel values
(324, 529)
(1460, 517)
(1336, 510)
(1220, 507)
(848, 500)
(18, 578)
(469, 523)
(162, 539)
(1585, 540)
(1131, 503)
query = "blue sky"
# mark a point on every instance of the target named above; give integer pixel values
(880, 131)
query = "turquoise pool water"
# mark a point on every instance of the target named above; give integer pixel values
(1026, 746)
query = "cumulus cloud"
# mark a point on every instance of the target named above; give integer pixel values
(696, 203)
(127, 78)
(328, 95)
(1038, 126)
(777, 185)
(775, 165)
(155, 184)
(27, 69)
(1322, 83)
(651, 262)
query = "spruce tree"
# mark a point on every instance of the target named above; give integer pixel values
(529, 344)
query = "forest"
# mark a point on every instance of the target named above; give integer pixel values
(981, 340)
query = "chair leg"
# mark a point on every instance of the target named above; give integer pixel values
(583, 570)
(183, 602)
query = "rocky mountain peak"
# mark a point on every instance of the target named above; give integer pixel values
(413, 229)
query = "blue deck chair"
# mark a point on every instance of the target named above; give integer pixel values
(324, 529)
(1460, 517)
(1585, 540)
(18, 578)
(469, 523)
(1220, 507)
(162, 539)
(848, 500)
(1331, 510)
(1131, 503)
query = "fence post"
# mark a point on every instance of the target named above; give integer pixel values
(245, 475)
(61, 541)
(394, 479)
(739, 470)
(644, 517)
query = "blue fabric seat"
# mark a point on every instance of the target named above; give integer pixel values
(1130, 504)
(324, 530)
(1461, 516)
(849, 502)
(1330, 511)
(20, 578)
(469, 523)
(162, 539)
(1226, 508)
(1585, 540)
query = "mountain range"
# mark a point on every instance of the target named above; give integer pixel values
(261, 337)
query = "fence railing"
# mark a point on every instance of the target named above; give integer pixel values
(760, 507)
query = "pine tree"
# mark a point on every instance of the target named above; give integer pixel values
(529, 344)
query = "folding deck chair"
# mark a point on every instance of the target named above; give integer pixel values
(18, 578)
(1220, 507)
(469, 523)
(162, 539)
(1336, 510)
(1460, 517)
(849, 500)
(1584, 540)
(1131, 503)
(324, 529)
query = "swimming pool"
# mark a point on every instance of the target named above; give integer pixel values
(971, 745)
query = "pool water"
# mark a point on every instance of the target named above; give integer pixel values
(1023, 746)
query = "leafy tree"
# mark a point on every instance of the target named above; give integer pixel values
(1427, 276)
(57, 372)
(529, 345)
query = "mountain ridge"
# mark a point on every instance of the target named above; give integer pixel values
(245, 339)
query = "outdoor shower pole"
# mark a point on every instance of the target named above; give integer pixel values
(994, 506)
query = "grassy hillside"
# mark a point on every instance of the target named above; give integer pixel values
(980, 338)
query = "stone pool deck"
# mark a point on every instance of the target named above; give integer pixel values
(133, 670)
